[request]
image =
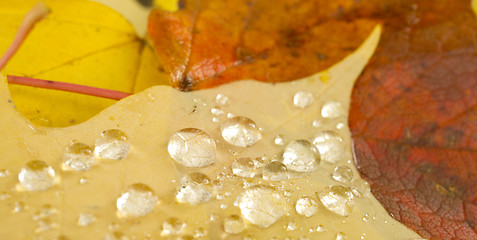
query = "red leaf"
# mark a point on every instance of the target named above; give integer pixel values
(210, 42)
(414, 117)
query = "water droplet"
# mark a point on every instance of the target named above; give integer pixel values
(261, 205)
(343, 174)
(85, 219)
(330, 145)
(137, 201)
(200, 233)
(222, 100)
(36, 176)
(83, 180)
(340, 126)
(332, 109)
(79, 157)
(234, 224)
(230, 115)
(172, 226)
(317, 123)
(340, 236)
(215, 120)
(240, 131)
(291, 226)
(320, 228)
(365, 217)
(301, 156)
(303, 99)
(4, 173)
(192, 147)
(244, 167)
(279, 140)
(18, 207)
(337, 199)
(194, 189)
(360, 187)
(306, 206)
(216, 111)
(275, 171)
(112, 145)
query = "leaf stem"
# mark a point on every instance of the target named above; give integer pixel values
(38, 12)
(68, 87)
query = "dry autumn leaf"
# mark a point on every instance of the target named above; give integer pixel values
(79, 42)
(82, 204)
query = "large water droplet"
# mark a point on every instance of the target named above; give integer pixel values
(337, 199)
(112, 145)
(240, 131)
(36, 176)
(137, 201)
(194, 189)
(261, 205)
(303, 99)
(330, 145)
(360, 187)
(85, 218)
(301, 156)
(244, 167)
(234, 224)
(275, 171)
(343, 174)
(172, 226)
(332, 109)
(79, 157)
(192, 147)
(306, 206)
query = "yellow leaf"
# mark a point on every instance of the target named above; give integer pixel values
(79, 42)
(149, 119)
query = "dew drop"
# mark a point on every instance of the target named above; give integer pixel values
(340, 236)
(279, 140)
(332, 109)
(337, 199)
(291, 226)
(194, 189)
(172, 226)
(306, 206)
(83, 180)
(222, 100)
(234, 224)
(343, 174)
(18, 207)
(365, 217)
(216, 111)
(317, 123)
(36, 176)
(192, 147)
(303, 99)
(215, 120)
(137, 201)
(244, 167)
(330, 145)
(79, 157)
(240, 131)
(360, 187)
(261, 205)
(85, 219)
(301, 156)
(275, 171)
(111, 145)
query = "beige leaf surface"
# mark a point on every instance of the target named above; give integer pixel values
(149, 119)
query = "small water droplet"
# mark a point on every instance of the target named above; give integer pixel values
(317, 123)
(18, 207)
(365, 217)
(222, 100)
(79, 157)
(332, 109)
(192, 147)
(216, 111)
(291, 226)
(261, 205)
(301, 156)
(340, 126)
(194, 189)
(85, 219)
(36, 176)
(230, 115)
(215, 120)
(303, 99)
(83, 180)
(112, 145)
(4, 173)
(330, 145)
(240, 131)
(172, 226)
(306, 206)
(343, 174)
(337, 199)
(200, 233)
(234, 224)
(340, 236)
(279, 140)
(244, 167)
(360, 187)
(320, 228)
(137, 201)
(275, 171)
